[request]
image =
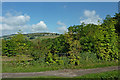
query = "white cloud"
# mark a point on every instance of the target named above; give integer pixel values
(39, 27)
(10, 22)
(0, 19)
(88, 13)
(0, 27)
(60, 23)
(5, 27)
(63, 27)
(16, 20)
(91, 17)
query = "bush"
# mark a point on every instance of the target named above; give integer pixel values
(16, 45)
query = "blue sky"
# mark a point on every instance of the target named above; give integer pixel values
(52, 16)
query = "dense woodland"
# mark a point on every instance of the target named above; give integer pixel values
(102, 41)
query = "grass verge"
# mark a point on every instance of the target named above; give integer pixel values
(11, 67)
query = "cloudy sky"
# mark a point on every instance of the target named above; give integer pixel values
(33, 17)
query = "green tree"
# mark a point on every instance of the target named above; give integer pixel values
(17, 44)
(74, 48)
(4, 47)
(106, 40)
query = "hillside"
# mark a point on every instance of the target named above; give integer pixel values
(34, 35)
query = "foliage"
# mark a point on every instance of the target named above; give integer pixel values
(117, 25)
(84, 34)
(59, 45)
(37, 66)
(32, 37)
(106, 41)
(99, 39)
(89, 57)
(102, 41)
(18, 44)
(49, 58)
(117, 28)
(4, 48)
(74, 48)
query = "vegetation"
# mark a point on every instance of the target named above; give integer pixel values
(33, 35)
(17, 45)
(103, 75)
(84, 45)
(37, 66)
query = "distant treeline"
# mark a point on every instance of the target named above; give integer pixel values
(32, 35)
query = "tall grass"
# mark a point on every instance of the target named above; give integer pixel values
(86, 61)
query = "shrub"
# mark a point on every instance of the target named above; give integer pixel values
(17, 44)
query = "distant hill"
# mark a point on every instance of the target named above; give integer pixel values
(32, 35)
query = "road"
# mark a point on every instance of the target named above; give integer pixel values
(61, 73)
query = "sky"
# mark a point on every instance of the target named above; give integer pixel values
(60, 0)
(55, 17)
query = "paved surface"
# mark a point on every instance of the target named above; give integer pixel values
(61, 73)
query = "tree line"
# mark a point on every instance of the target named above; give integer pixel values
(102, 40)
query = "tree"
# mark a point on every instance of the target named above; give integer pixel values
(59, 45)
(74, 48)
(106, 41)
(17, 44)
(4, 47)
(117, 25)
